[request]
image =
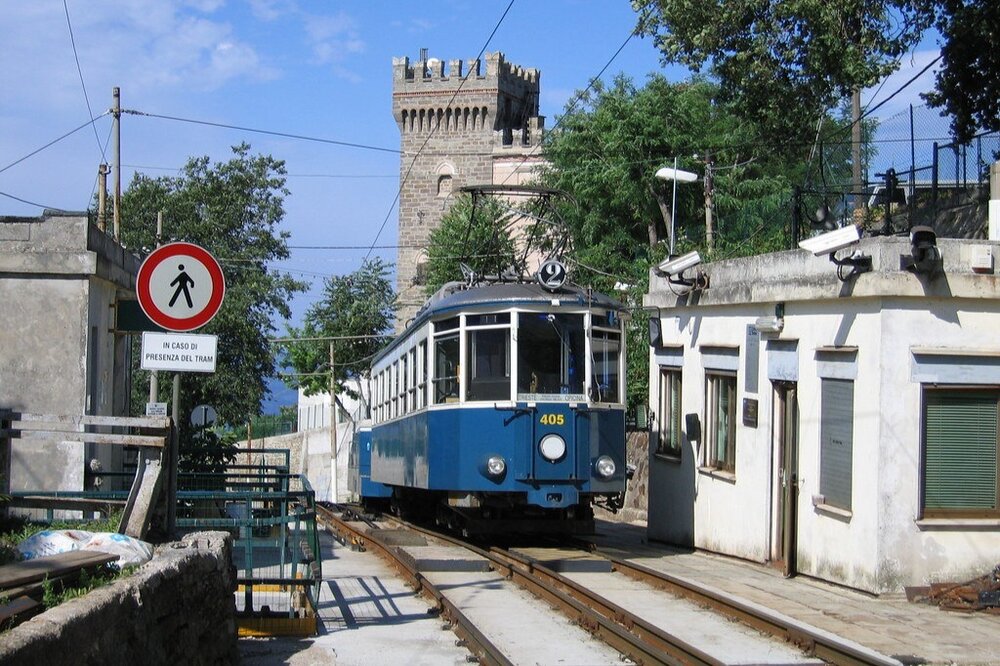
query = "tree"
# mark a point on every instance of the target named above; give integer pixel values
(968, 82)
(483, 243)
(784, 64)
(359, 307)
(232, 209)
(605, 154)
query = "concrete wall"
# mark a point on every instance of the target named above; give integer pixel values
(882, 543)
(176, 609)
(60, 278)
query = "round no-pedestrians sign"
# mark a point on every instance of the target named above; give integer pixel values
(180, 286)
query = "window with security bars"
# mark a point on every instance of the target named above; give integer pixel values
(720, 419)
(836, 453)
(669, 443)
(960, 453)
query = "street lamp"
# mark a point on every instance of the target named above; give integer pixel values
(676, 175)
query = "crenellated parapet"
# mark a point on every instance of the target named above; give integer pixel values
(469, 95)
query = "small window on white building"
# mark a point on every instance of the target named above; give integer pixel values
(720, 420)
(669, 431)
(836, 453)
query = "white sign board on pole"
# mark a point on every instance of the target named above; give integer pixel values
(178, 352)
(156, 409)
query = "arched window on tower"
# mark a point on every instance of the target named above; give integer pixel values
(445, 183)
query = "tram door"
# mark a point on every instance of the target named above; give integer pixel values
(786, 422)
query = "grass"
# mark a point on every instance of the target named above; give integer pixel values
(54, 594)
(14, 530)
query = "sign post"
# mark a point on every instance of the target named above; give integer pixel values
(180, 287)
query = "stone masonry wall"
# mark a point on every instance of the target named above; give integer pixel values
(176, 609)
(452, 122)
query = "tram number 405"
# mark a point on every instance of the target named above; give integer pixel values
(553, 419)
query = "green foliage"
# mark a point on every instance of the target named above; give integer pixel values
(968, 81)
(55, 593)
(233, 209)
(206, 449)
(605, 155)
(360, 304)
(784, 64)
(483, 243)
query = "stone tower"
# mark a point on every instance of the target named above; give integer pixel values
(464, 126)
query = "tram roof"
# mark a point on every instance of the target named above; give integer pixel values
(510, 295)
(455, 298)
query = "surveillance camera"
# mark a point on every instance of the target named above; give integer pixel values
(925, 257)
(832, 241)
(671, 267)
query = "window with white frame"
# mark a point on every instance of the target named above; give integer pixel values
(422, 374)
(669, 421)
(720, 420)
(959, 456)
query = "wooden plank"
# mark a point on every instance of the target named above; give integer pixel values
(142, 500)
(83, 437)
(20, 573)
(16, 607)
(79, 503)
(156, 422)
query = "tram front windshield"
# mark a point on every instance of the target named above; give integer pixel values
(551, 350)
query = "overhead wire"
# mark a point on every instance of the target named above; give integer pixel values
(79, 70)
(255, 130)
(409, 169)
(53, 142)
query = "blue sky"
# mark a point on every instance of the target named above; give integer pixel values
(309, 68)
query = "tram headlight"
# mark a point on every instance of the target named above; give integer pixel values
(496, 466)
(552, 447)
(605, 467)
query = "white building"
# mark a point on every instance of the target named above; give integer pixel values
(324, 450)
(842, 429)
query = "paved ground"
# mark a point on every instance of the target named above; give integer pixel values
(913, 633)
(369, 617)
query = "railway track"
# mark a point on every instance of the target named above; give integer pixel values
(618, 624)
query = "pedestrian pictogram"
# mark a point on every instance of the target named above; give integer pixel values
(180, 286)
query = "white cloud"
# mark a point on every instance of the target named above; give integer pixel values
(333, 38)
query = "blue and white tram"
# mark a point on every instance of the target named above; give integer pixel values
(501, 408)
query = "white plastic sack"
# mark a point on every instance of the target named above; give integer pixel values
(51, 542)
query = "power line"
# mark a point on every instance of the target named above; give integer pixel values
(255, 130)
(32, 203)
(409, 169)
(54, 141)
(79, 70)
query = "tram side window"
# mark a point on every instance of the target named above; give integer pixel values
(422, 375)
(488, 374)
(551, 353)
(411, 380)
(404, 379)
(607, 349)
(446, 368)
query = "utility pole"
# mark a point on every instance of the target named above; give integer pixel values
(102, 196)
(856, 184)
(709, 185)
(154, 375)
(116, 112)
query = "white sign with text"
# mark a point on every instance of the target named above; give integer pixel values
(179, 352)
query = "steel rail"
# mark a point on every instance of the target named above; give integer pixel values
(469, 636)
(630, 635)
(634, 637)
(815, 642)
